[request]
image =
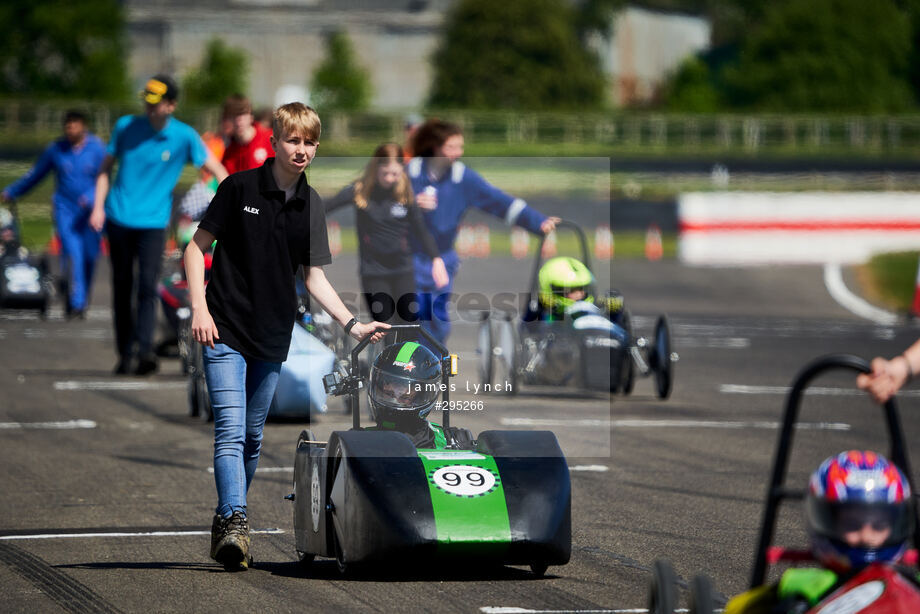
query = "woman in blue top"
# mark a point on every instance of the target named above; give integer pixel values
(445, 188)
(75, 160)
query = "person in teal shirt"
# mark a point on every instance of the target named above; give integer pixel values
(135, 209)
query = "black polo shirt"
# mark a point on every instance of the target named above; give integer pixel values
(261, 241)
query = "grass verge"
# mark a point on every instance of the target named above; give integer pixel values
(890, 279)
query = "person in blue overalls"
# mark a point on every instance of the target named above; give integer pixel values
(75, 160)
(445, 188)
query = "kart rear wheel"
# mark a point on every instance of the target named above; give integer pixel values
(504, 358)
(628, 369)
(662, 593)
(660, 358)
(538, 569)
(484, 349)
(701, 596)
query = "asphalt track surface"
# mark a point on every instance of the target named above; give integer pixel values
(110, 511)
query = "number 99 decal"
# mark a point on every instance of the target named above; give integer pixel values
(464, 480)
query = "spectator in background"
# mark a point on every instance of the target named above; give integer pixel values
(250, 142)
(135, 208)
(75, 160)
(386, 216)
(445, 188)
(889, 376)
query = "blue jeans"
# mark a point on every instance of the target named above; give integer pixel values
(241, 391)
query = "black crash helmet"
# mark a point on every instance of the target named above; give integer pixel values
(404, 384)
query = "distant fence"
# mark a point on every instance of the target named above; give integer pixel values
(620, 130)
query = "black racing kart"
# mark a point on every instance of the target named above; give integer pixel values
(879, 588)
(595, 350)
(369, 496)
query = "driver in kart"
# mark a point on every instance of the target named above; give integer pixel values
(859, 511)
(566, 288)
(405, 384)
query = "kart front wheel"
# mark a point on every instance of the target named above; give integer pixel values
(662, 594)
(661, 359)
(538, 568)
(701, 596)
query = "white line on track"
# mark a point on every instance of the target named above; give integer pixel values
(639, 423)
(137, 534)
(833, 281)
(590, 468)
(69, 424)
(107, 385)
(815, 390)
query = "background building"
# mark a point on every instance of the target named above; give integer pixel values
(392, 39)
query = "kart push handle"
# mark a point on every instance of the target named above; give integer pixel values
(777, 491)
(335, 384)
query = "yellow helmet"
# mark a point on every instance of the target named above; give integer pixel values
(561, 276)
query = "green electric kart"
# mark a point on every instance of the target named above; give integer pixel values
(369, 496)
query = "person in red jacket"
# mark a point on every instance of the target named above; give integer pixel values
(250, 141)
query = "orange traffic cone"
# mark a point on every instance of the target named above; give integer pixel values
(520, 243)
(653, 249)
(481, 243)
(54, 245)
(603, 242)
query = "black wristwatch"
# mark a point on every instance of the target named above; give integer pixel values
(350, 325)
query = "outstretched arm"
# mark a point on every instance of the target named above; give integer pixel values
(320, 288)
(889, 376)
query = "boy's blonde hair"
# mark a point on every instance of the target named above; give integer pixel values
(296, 118)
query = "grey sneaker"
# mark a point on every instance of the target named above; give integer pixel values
(230, 541)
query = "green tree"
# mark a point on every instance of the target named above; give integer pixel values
(515, 54)
(339, 83)
(63, 49)
(223, 71)
(691, 88)
(825, 55)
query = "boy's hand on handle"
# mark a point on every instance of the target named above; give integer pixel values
(377, 330)
(204, 331)
(887, 377)
(439, 273)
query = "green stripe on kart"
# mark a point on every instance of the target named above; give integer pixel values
(406, 351)
(470, 512)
